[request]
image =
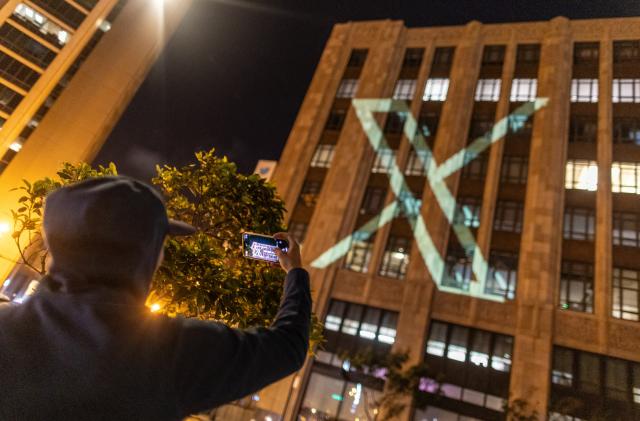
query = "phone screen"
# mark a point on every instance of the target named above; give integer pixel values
(262, 247)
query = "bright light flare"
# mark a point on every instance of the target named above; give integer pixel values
(155, 307)
(4, 228)
(15, 146)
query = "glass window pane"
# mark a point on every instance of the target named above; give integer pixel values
(370, 322)
(437, 339)
(352, 319)
(322, 396)
(458, 343)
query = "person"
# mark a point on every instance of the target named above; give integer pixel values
(84, 346)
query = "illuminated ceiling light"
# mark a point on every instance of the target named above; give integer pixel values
(16, 146)
(155, 307)
(104, 25)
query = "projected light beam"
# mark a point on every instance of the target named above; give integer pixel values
(436, 175)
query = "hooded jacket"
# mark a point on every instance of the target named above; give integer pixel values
(84, 346)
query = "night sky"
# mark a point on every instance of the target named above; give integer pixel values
(236, 71)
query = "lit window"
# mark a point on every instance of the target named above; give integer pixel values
(576, 286)
(584, 90)
(503, 274)
(405, 88)
(359, 255)
(334, 316)
(625, 177)
(626, 90)
(626, 294)
(523, 90)
(626, 229)
(385, 158)
(370, 321)
(15, 146)
(581, 175)
(457, 349)
(351, 322)
(457, 269)
(25, 12)
(468, 212)
(387, 332)
(436, 89)
(488, 90)
(418, 162)
(437, 339)
(579, 224)
(323, 156)
(348, 88)
(396, 257)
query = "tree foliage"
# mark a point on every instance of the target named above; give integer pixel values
(203, 275)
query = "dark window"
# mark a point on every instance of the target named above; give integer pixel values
(394, 123)
(476, 168)
(63, 11)
(428, 124)
(9, 100)
(359, 255)
(373, 200)
(528, 53)
(357, 58)
(626, 297)
(503, 274)
(336, 119)
(593, 385)
(298, 230)
(583, 129)
(26, 46)
(310, 192)
(508, 216)
(626, 130)
(473, 365)
(16, 72)
(514, 169)
(480, 126)
(626, 51)
(585, 53)
(493, 54)
(413, 57)
(396, 257)
(576, 286)
(579, 224)
(626, 229)
(468, 211)
(443, 56)
(323, 156)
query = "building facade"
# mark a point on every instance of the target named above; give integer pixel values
(552, 207)
(68, 69)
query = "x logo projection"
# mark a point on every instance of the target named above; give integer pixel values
(408, 205)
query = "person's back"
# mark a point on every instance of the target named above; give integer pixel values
(80, 349)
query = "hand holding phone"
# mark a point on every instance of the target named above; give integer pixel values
(290, 258)
(281, 247)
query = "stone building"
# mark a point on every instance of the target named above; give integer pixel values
(68, 69)
(551, 206)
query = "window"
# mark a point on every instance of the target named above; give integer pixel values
(336, 119)
(523, 90)
(585, 53)
(298, 230)
(357, 58)
(626, 294)
(584, 90)
(63, 11)
(16, 72)
(413, 57)
(508, 216)
(394, 123)
(597, 384)
(359, 255)
(576, 286)
(488, 90)
(468, 211)
(385, 159)
(373, 200)
(626, 130)
(44, 25)
(436, 89)
(626, 229)
(418, 162)
(626, 51)
(481, 125)
(443, 57)
(514, 169)
(579, 224)
(9, 100)
(323, 156)
(581, 175)
(583, 129)
(503, 274)
(528, 53)
(493, 54)
(476, 168)
(26, 46)
(474, 363)
(347, 88)
(396, 257)
(457, 269)
(625, 177)
(626, 90)
(428, 124)
(405, 88)
(364, 322)
(309, 193)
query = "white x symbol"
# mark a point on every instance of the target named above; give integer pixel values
(436, 175)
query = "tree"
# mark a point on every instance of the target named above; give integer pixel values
(203, 275)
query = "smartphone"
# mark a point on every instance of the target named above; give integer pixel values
(262, 247)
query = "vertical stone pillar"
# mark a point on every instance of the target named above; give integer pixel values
(542, 234)
(603, 261)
